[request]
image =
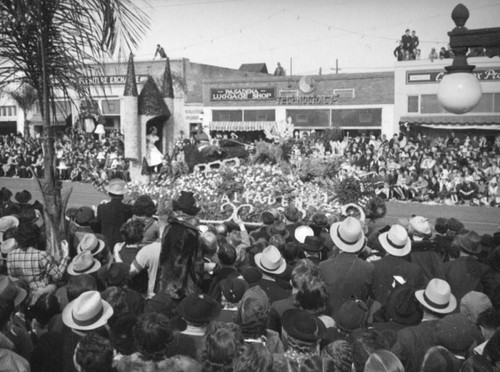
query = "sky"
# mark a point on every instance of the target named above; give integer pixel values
(312, 34)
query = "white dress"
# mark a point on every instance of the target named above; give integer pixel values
(153, 156)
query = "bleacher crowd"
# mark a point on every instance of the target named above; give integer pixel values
(131, 291)
(79, 156)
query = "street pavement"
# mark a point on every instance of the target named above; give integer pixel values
(480, 219)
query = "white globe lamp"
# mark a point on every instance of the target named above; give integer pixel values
(459, 92)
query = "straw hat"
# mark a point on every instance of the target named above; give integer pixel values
(348, 235)
(437, 297)
(302, 232)
(270, 260)
(116, 186)
(89, 311)
(396, 241)
(90, 243)
(83, 263)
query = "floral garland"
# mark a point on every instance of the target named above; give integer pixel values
(263, 186)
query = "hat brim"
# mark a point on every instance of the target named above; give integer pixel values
(192, 211)
(288, 324)
(452, 305)
(115, 192)
(281, 268)
(349, 248)
(93, 269)
(302, 232)
(67, 317)
(99, 249)
(398, 252)
(362, 216)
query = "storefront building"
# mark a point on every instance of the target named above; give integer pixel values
(107, 93)
(415, 97)
(354, 103)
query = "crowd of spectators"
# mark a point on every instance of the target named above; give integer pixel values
(452, 169)
(131, 291)
(79, 156)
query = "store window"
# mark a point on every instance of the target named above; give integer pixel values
(309, 118)
(429, 104)
(485, 103)
(357, 117)
(227, 115)
(496, 98)
(412, 103)
(259, 115)
(111, 107)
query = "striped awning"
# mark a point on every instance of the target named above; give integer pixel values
(240, 126)
(491, 122)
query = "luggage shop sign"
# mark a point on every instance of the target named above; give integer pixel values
(242, 94)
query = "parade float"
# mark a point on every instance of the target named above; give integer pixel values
(277, 174)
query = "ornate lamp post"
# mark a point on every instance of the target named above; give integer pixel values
(459, 91)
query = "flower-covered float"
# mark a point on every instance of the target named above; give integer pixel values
(251, 189)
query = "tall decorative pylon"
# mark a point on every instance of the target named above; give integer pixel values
(130, 117)
(167, 86)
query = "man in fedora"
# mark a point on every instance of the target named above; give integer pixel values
(271, 263)
(186, 204)
(346, 275)
(303, 332)
(413, 342)
(466, 273)
(88, 312)
(112, 215)
(198, 310)
(397, 245)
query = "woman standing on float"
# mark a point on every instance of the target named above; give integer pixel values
(154, 157)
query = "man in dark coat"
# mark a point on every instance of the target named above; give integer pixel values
(112, 215)
(397, 244)
(413, 342)
(466, 273)
(346, 275)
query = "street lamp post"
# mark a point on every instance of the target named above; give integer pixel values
(459, 91)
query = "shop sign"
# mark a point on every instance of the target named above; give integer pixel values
(110, 80)
(192, 115)
(422, 77)
(307, 100)
(242, 94)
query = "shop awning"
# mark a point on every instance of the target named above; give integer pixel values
(59, 120)
(455, 122)
(239, 126)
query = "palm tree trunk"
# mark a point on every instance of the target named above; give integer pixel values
(51, 186)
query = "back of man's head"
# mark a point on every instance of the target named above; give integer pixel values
(79, 284)
(208, 242)
(227, 254)
(94, 353)
(152, 333)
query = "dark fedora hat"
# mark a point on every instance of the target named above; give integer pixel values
(469, 242)
(302, 325)
(313, 244)
(402, 307)
(199, 308)
(23, 197)
(5, 194)
(186, 203)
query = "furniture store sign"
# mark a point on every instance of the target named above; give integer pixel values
(422, 77)
(110, 80)
(241, 94)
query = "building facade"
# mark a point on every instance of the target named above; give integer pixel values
(350, 102)
(415, 97)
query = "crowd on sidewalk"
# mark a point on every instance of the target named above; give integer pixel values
(130, 290)
(79, 156)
